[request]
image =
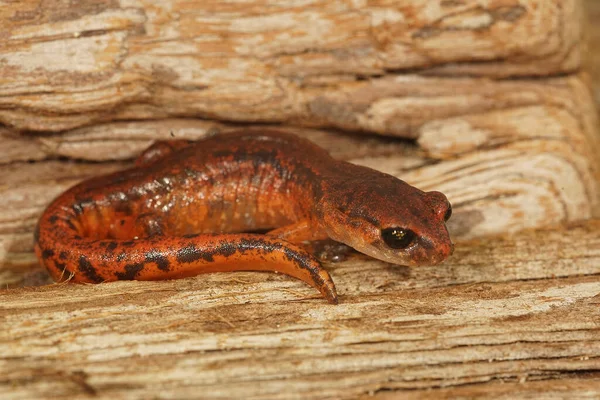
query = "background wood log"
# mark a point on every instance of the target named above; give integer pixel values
(521, 310)
(592, 55)
(62, 66)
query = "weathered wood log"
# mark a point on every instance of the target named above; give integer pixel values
(521, 310)
(591, 61)
(62, 67)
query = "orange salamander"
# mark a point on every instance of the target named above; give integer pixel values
(184, 208)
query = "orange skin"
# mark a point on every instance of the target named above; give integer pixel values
(183, 208)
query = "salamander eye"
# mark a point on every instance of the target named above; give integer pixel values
(448, 212)
(398, 238)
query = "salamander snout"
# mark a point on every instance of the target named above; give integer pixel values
(432, 254)
(389, 220)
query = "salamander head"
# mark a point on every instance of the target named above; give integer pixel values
(390, 220)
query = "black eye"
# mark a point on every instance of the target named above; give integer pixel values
(398, 238)
(448, 212)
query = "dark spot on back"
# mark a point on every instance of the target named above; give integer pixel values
(82, 204)
(63, 268)
(53, 219)
(190, 254)
(159, 259)
(226, 249)
(112, 246)
(86, 267)
(131, 270)
(47, 253)
(70, 225)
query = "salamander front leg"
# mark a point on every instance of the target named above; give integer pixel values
(299, 232)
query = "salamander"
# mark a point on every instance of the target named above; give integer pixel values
(187, 208)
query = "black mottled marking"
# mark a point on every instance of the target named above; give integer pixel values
(53, 219)
(112, 246)
(191, 235)
(226, 249)
(86, 267)
(47, 253)
(63, 255)
(63, 267)
(301, 260)
(70, 224)
(191, 253)
(77, 237)
(128, 243)
(80, 206)
(159, 259)
(122, 222)
(291, 170)
(131, 270)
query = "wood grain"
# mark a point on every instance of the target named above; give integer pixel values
(62, 67)
(498, 114)
(591, 59)
(520, 310)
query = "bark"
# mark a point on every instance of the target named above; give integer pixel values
(63, 67)
(592, 56)
(520, 311)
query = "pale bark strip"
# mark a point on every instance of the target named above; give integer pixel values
(497, 310)
(62, 67)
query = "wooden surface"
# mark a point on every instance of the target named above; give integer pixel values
(503, 122)
(503, 318)
(592, 55)
(309, 63)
